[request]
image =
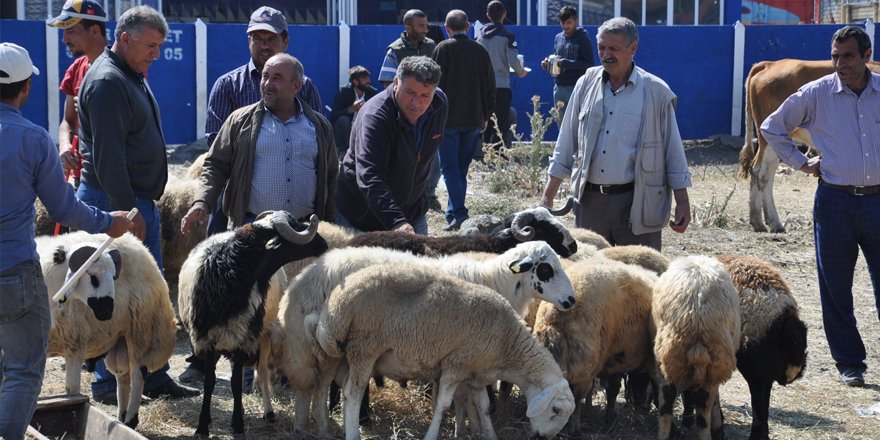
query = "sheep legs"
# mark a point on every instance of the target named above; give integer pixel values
(129, 388)
(760, 410)
(705, 402)
(481, 400)
(354, 394)
(237, 381)
(72, 373)
(611, 392)
(442, 400)
(667, 396)
(263, 376)
(210, 380)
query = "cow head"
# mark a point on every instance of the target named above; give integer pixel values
(97, 287)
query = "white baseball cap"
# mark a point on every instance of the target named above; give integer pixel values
(15, 64)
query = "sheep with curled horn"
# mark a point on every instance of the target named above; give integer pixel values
(222, 297)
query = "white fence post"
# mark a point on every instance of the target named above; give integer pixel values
(869, 28)
(739, 40)
(201, 77)
(344, 52)
(52, 81)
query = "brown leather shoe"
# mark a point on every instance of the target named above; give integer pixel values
(172, 390)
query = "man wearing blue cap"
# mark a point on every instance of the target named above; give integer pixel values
(84, 24)
(31, 169)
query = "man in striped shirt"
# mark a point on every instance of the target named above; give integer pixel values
(842, 113)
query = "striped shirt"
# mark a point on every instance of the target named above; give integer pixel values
(285, 166)
(241, 87)
(845, 128)
(614, 158)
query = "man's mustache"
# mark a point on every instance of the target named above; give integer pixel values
(609, 60)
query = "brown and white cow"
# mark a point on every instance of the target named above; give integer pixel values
(769, 83)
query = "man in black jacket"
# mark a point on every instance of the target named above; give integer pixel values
(348, 101)
(469, 82)
(394, 141)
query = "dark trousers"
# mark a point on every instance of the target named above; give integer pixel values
(502, 112)
(608, 216)
(842, 224)
(342, 135)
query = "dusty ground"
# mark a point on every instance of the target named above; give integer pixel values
(816, 407)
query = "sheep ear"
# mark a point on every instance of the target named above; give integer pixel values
(540, 403)
(117, 261)
(523, 265)
(79, 256)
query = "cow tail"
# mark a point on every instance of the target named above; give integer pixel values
(747, 153)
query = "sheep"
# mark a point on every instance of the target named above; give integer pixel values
(696, 314)
(222, 296)
(43, 223)
(195, 169)
(336, 237)
(386, 319)
(606, 334)
(130, 321)
(583, 235)
(773, 343)
(531, 224)
(529, 271)
(638, 255)
(173, 206)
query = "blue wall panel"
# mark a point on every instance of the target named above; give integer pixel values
(368, 44)
(31, 35)
(172, 79)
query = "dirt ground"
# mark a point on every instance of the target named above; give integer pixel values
(815, 407)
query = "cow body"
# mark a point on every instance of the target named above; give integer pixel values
(769, 84)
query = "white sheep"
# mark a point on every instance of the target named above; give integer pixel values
(608, 332)
(222, 296)
(529, 271)
(139, 335)
(696, 314)
(411, 322)
(638, 255)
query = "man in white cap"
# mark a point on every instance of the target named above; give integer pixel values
(84, 24)
(31, 169)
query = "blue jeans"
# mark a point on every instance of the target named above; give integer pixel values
(433, 178)
(105, 382)
(24, 335)
(456, 154)
(420, 225)
(562, 93)
(842, 223)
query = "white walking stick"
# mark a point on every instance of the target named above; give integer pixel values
(61, 296)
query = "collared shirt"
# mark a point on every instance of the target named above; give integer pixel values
(285, 166)
(613, 161)
(845, 128)
(241, 87)
(74, 75)
(31, 168)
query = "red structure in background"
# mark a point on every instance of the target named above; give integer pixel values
(779, 11)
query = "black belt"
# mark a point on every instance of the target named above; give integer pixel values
(610, 189)
(853, 189)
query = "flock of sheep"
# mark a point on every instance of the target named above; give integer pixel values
(554, 311)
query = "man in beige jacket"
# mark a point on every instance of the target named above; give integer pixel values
(619, 143)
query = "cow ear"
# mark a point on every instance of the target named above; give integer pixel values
(522, 266)
(117, 261)
(79, 256)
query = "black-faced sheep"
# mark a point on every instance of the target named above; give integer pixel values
(536, 224)
(222, 295)
(527, 272)
(696, 314)
(137, 337)
(387, 319)
(773, 345)
(606, 334)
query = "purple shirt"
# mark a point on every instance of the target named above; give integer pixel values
(241, 87)
(844, 126)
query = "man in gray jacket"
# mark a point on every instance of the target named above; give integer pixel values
(619, 144)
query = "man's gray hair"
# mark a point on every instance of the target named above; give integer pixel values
(422, 68)
(136, 19)
(457, 20)
(412, 13)
(620, 26)
(286, 58)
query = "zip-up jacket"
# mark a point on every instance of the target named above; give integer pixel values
(501, 45)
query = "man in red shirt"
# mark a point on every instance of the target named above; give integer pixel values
(85, 34)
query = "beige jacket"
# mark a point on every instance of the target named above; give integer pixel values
(661, 165)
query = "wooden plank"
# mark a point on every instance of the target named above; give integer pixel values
(33, 434)
(101, 426)
(52, 402)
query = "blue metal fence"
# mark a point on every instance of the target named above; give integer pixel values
(696, 61)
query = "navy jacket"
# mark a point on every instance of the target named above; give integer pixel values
(577, 55)
(383, 176)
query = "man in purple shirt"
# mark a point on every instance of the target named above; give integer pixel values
(840, 111)
(31, 168)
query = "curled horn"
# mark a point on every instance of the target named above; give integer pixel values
(279, 222)
(527, 233)
(264, 214)
(569, 203)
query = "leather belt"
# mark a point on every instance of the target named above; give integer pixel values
(610, 189)
(853, 189)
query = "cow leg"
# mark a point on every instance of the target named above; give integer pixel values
(768, 166)
(756, 200)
